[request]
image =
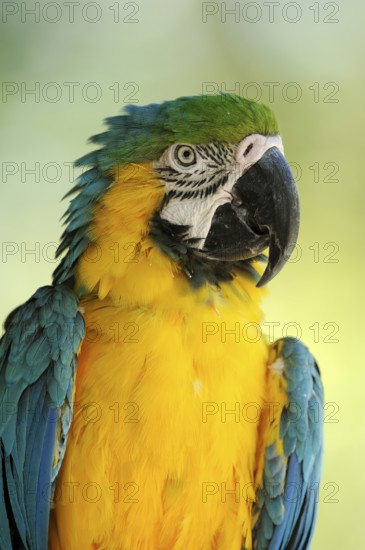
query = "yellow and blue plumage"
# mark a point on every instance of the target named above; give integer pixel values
(143, 442)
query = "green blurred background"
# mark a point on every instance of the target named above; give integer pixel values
(304, 61)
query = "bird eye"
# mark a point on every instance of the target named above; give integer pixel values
(185, 155)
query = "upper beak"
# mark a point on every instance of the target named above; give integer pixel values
(266, 205)
(268, 194)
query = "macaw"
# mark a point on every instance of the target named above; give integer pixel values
(138, 411)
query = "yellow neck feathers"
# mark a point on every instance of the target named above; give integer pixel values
(124, 267)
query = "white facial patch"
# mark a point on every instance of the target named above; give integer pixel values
(197, 186)
(197, 212)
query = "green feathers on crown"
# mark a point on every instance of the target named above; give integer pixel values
(141, 134)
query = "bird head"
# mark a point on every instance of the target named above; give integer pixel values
(223, 191)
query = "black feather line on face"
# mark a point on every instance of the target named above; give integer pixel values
(173, 240)
(191, 192)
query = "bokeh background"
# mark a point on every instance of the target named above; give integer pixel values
(306, 61)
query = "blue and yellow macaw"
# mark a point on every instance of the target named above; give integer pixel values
(137, 409)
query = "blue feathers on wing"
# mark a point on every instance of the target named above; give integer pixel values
(287, 502)
(38, 355)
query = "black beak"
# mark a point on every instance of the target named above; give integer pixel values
(264, 212)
